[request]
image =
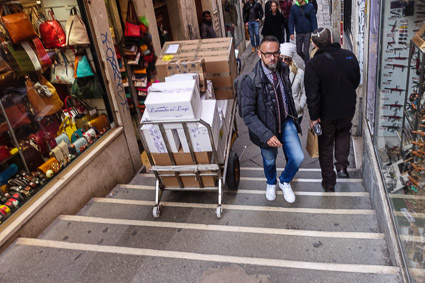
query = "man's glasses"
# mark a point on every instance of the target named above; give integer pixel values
(270, 54)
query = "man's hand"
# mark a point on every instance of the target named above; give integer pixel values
(292, 37)
(233, 25)
(312, 123)
(246, 24)
(274, 142)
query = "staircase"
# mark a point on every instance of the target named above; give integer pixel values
(322, 237)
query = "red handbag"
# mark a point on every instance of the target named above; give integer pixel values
(41, 53)
(52, 33)
(132, 28)
(44, 141)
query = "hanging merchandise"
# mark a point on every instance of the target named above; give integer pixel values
(14, 101)
(43, 97)
(76, 32)
(51, 33)
(82, 67)
(132, 29)
(18, 26)
(62, 73)
(42, 55)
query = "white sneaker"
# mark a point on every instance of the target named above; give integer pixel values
(288, 194)
(271, 192)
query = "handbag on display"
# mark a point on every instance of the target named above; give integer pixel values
(51, 164)
(76, 32)
(50, 124)
(52, 33)
(43, 142)
(80, 111)
(14, 101)
(82, 67)
(88, 87)
(63, 137)
(61, 153)
(132, 28)
(67, 127)
(62, 73)
(41, 53)
(43, 97)
(80, 144)
(77, 134)
(18, 26)
(32, 156)
(19, 56)
(99, 123)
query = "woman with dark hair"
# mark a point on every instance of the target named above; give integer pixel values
(274, 22)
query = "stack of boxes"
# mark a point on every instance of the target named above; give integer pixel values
(185, 95)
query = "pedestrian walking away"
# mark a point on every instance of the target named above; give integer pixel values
(253, 13)
(206, 28)
(230, 17)
(274, 22)
(285, 8)
(302, 20)
(287, 53)
(331, 79)
(268, 110)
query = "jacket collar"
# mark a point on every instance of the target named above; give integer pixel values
(330, 47)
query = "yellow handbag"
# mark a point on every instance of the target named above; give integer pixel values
(67, 127)
(51, 164)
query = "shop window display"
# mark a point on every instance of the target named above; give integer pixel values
(53, 105)
(399, 122)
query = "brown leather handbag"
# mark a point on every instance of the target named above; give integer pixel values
(18, 26)
(43, 105)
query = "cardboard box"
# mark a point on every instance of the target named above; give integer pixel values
(209, 93)
(173, 100)
(199, 133)
(417, 38)
(219, 56)
(185, 66)
(154, 139)
(184, 77)
(182, 158)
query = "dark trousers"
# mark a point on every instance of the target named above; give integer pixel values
(286, 31)
(302, 41)
(335, 134)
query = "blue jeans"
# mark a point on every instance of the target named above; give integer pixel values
(254, 30)
(293, 153)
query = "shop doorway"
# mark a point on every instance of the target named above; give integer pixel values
(162, 21)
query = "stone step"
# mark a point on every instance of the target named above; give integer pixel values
(256, 183)
(249, 198)
(102, 263)
(305, 173)
(262, 217)
(278, 244)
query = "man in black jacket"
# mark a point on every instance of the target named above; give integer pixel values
(252, 15)
(331, 79)
(268, 110)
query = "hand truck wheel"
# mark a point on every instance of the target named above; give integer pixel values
(219, 212)
(233, 171)
(156, 212)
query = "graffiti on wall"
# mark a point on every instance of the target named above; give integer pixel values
(110, 57)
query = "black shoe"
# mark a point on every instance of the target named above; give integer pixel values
(342, 173)
(328, 189)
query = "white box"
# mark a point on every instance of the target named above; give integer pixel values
(184, 77)
(154, 138)
(173, 100)
(209, 93)
(199, 133)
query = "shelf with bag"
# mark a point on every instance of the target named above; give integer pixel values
(52, 102)
(139, 56)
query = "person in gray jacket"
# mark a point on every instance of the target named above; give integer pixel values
(268, 110)
(206, 27)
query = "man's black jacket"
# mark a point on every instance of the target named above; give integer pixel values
(258, 11)
(259, 105)
(331, 83)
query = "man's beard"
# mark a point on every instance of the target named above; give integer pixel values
(208, 22)
(271, 66)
